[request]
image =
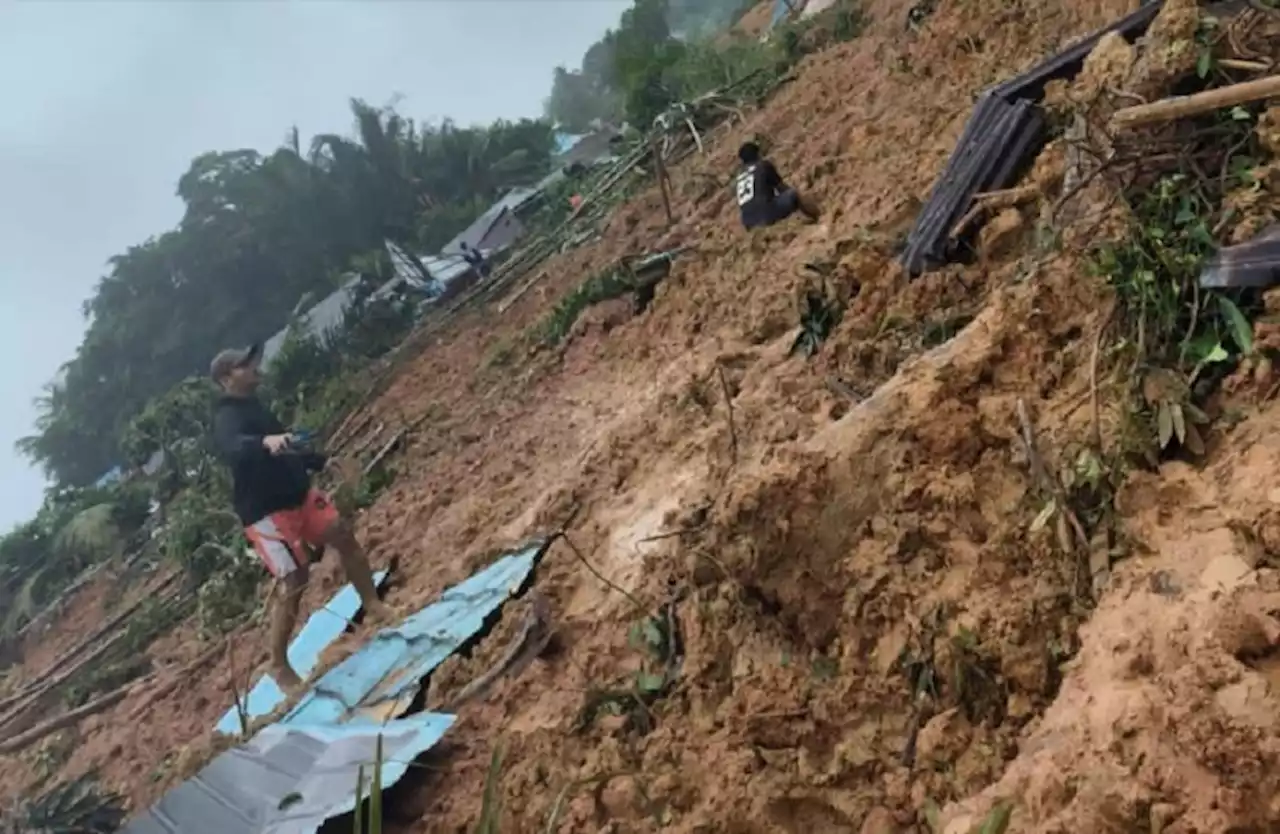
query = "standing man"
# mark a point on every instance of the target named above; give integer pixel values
(273, 497)
(475, 258)
(763, 198)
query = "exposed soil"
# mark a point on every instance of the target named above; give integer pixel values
(868, 621)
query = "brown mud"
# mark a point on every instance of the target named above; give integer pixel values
(869, 622)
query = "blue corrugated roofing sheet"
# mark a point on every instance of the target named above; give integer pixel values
(296, 774)
(380, 680)
(289, 779)
(321, 629)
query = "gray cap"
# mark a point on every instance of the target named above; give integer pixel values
(228, 360)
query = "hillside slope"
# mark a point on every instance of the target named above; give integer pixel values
(869, 620)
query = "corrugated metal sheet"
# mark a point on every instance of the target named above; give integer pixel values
(289, 779)
(1254, 264)
(296, 774)
(321, 629)
(381, 680)
(1004, 132)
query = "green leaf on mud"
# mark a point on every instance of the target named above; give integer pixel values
(1179, 423)
(933, 816)
(650, 682)
(1164, 424)
(997, 822)
(652, 634)
(1241, 330)
(1043, 518)
(1204, 63)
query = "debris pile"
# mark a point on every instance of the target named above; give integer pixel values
(1005, 131)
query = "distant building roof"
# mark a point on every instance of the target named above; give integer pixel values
(325, 315)
(513, 200)
(565, 141)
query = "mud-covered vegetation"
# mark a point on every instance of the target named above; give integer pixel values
(990, 549)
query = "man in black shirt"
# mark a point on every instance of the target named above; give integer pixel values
(763, 197)
(273, 497)
(476, 259)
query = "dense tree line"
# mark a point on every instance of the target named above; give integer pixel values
(258, 232)
(638, 69)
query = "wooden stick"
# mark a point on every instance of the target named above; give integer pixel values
(24, 739)
(728, 404)
(1247, 66)
(531, 640)
(660, 172)
(41, 683)
(989, 200)
(1179, 107)
(384, 451)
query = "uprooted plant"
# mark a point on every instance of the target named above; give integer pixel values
(78, 807)
(819, 315)
(656, 639)
(1181, 339)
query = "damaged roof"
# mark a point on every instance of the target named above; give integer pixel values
(321, 629)
(289, 779)
(1254, 264)
(381, 679)
(1004, 132)
(301, 771)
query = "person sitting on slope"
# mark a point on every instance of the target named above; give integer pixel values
(763, 198)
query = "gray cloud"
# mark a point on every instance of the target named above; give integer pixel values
(107, 102)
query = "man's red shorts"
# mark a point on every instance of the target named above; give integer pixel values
(279, 538)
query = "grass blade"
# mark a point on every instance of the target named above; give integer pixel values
(357, 824)
(375, 792)
(489, 808)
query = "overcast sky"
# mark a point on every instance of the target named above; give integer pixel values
(105, 103)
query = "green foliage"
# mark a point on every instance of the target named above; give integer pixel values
(607, 285)
(818, 318)
(259, 232)
(669, 51)
(170, 423)
(490, 821)
(74, 530)
(1155, 269)
(372, 824)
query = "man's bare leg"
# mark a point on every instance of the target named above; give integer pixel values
(284, 616)
(355, 565)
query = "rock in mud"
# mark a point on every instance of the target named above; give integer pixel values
(879, 821)
(998, 236)
(943, 738)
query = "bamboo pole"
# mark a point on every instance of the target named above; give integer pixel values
(105, 702)
(1179, 107)
(35, 686)
(660, 172)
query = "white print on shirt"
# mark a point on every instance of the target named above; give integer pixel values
(746, 186)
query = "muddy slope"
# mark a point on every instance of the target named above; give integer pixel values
(867, 621)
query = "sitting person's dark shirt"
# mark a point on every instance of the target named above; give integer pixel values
(758, 187)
